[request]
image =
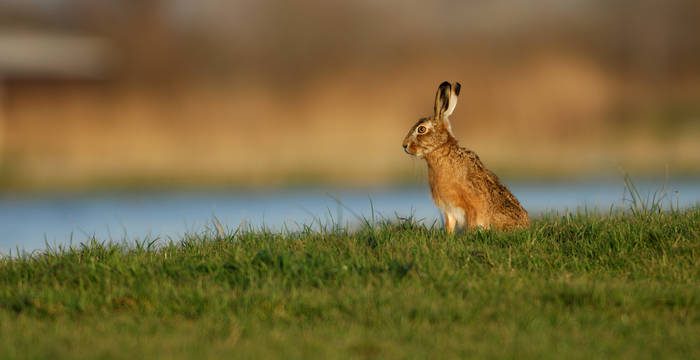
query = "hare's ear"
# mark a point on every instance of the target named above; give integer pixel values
(446, 100)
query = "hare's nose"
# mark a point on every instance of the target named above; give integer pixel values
(405, 146)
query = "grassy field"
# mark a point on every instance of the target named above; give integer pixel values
(575, 286)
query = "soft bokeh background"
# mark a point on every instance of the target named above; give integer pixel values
(133, 93)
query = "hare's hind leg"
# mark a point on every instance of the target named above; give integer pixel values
(450, 222)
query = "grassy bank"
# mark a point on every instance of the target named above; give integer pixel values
(576, 286)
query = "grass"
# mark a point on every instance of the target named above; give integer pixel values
(578, 286)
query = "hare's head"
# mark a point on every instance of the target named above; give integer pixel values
(431, 132)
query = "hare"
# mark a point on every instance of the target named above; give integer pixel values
(469, 194)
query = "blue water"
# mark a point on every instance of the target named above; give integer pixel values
(29, 222)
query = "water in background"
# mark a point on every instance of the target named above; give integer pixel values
(29, 222)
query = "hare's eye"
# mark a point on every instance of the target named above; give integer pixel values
(421, 129)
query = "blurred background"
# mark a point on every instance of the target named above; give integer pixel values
(214, 94)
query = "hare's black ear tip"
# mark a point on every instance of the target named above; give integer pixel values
(458, 87)
(444, 84)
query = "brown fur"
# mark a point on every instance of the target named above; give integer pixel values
(469, 194)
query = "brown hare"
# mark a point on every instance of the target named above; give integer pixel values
(469, 194)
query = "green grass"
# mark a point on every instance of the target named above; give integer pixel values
(578, 286)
